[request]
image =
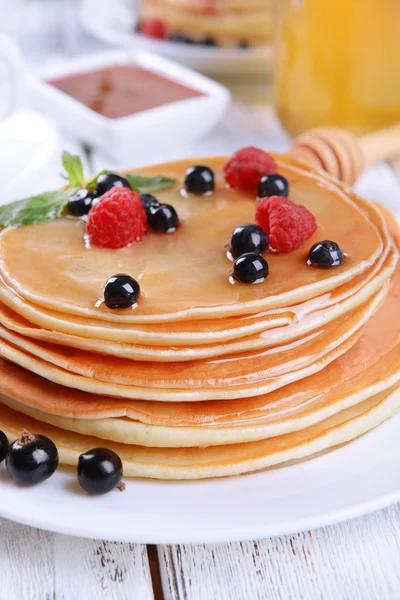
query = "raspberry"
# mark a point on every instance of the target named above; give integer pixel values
(155, 28)
(246, 167)
(287, 224)
(117, 219)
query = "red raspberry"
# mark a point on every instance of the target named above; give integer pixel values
(246, 167)
(155, 28)
(117, 219)
(287, 224)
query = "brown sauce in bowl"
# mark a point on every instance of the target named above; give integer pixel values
(122, 90)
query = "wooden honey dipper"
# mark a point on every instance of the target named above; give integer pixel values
(342, 154)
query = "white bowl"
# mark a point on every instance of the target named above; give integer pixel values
(139, 138)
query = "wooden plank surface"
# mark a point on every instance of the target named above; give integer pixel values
(358, 560)
(36, 565)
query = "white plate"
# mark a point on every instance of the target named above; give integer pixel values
(115, 22)
(351, 481)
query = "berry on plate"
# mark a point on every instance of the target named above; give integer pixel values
(154, 28)
(99, 471)
(199, 180)
(106, 181)
(325, 254)
(3, 446)
(149, 202)
(121, 291)
(287, 224)
(31, 459)
(245, 168)
(118, 219)
(273, 185)
(248, 238)
(180, 38)
(163, 218)
(81, 202)
(250, 268)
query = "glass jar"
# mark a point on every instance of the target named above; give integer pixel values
(338, 64)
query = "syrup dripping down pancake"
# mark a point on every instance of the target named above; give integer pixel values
(220, 461)
(369, 367)
(229, 372)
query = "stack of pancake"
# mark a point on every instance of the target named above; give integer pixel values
(204, 378)
(228, 22)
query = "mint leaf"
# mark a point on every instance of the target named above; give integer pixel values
(36, 209)
(73, 166)
(146, 185)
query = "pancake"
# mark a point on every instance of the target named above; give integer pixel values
(371, 366)
(235, 459)
(48, 371)
(203, 378)
(228, 22)
(123, 332)
(127, 431)
(227, 372)
(49, 265)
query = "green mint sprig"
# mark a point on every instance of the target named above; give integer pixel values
(74, 169)
(35, 209)
(49, 206)
(148, 185)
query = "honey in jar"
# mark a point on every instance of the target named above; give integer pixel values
(338, 64)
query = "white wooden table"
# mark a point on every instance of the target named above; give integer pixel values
(358, 560)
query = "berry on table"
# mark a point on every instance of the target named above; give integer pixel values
(163, 218)
(31, 459)
(199, 180)
(3, 446)
(248, 238)
(99, 471)
(273, 185)
(325, 254)
(245, 168)
(107, 181)
(121, 291)
(250, 268)
(118, 219)
(154, 28)
(287, 224)
(149, 202)
(81, 202)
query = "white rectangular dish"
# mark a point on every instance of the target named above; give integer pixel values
(138, 138)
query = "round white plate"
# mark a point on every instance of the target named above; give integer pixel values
(347, 482)
(115, 23)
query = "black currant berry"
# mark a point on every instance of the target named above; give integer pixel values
(81, 202)
(207, 41)
(325, 254)
(149, 202)
(99, 471)
(163, 218)
(3, 446)
(250, 268)
(273, 185)
(199, 180)
(31, 459)
(121, 291)
(107, 181)
(248, 238)
(179, 38)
